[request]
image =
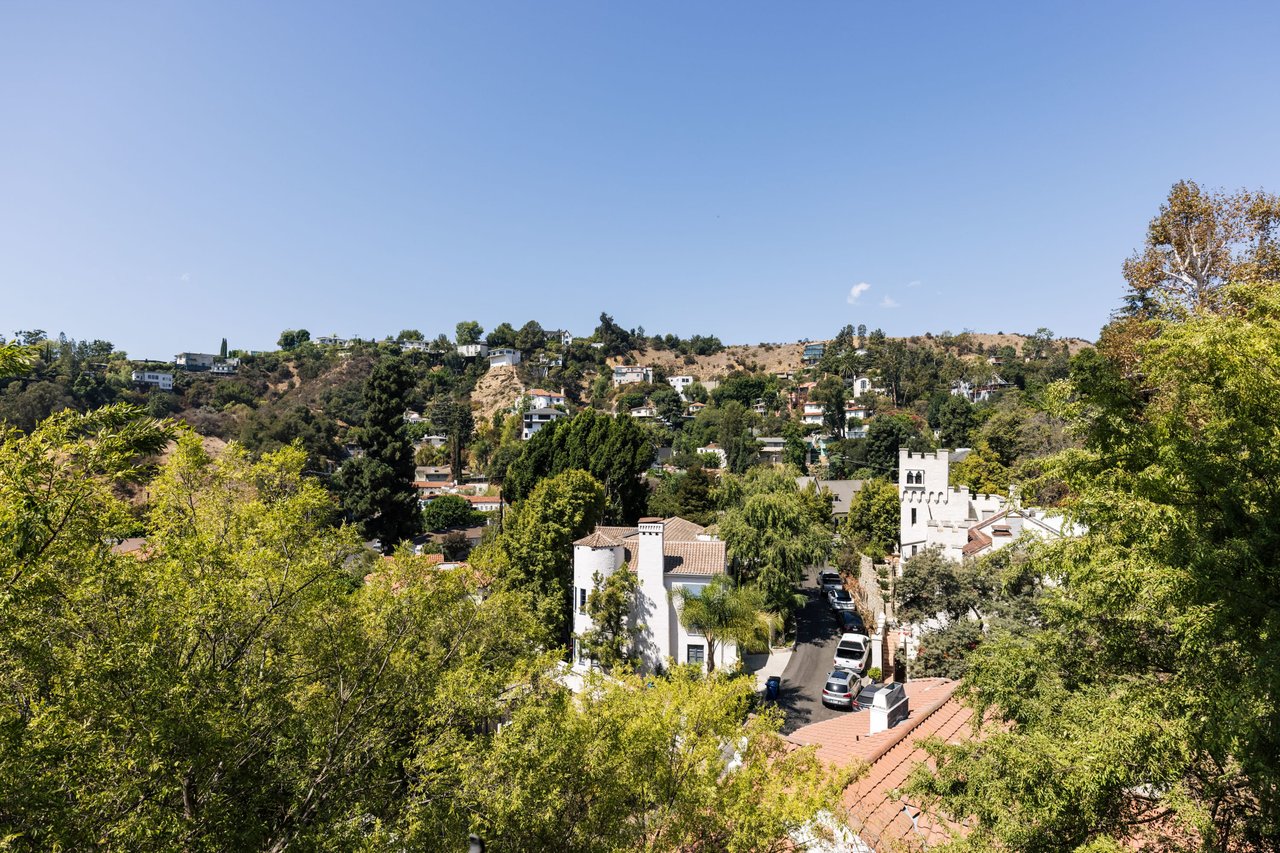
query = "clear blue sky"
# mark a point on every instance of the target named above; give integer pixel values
(173, 173)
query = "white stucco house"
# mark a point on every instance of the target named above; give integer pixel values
(936, 514)
(625, 375)
(540, 398)
(664, 554)
(504, 357)
(163, 381)
(473, 350)
(536, 419)
(680, 384)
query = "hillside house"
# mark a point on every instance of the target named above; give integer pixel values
(540, 398)
(504, 357)
(536, 419)
(645, 412)
(163, 381)
(194, 360)
(693, 409)
(979, 392)
(841, 491)
(415, 346)
(626, 374)
(813, 353)
(718, 452)
(932, 509)
(473, 350)
(664, 554)
(680, 384)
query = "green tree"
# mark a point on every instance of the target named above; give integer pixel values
(503, 335)
(410, 335)
(223, 350)
(630, 765)
(616, 451)
(875, 517)
(453, 419)
(885, 436)
(688, 495)
(612, 641)
(772, 536)
(530, 337)
(955, 421)
(450, 511)
(1163, 608)
(735, 438)
(293, 338)
(830, 392)
(468, 332)
(377, 488)
(723, 612)
(534, 554)
(668, 404)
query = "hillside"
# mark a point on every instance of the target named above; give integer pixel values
(784, 358)
(497, 389)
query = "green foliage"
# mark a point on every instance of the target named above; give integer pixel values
(885, 436)
(377, 488)
(981, 472)
(875, 517)
(955, 421)
(616, 451)
(830, 392)
(1156, 667)
(446, 512)
(773, 534)
(453, 419)
(688, 495)
(293, 338)
(636, 766)
(534, 554)
(612, 641)
(723, 612)
(468, 332)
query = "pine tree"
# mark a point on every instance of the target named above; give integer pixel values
(377, 488)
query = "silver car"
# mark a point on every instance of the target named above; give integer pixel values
(840, 688)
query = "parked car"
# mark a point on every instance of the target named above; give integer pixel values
(830, 581)
(849, 622)
(839, 688)
(853, 652)
(841, 600)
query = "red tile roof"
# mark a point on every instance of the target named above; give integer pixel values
(693, 558)
(880, 817)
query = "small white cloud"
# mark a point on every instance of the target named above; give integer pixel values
(186, 276)
(888, 302)
(856, 291)
(913, 283)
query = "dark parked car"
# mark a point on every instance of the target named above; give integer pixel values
(849, 622)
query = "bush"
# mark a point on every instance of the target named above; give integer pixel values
(874, 673)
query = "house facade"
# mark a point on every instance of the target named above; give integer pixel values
(163, 381)
(540, 398)
(473, 350)
(504, 357)
(194, 360)
(664, 554)
(680, 384)
(627, 374)
(932, 509)
(536, 419)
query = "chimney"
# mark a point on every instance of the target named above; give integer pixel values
(888, 707)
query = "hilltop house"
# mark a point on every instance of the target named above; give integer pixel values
(680, 384)
(194, 360)
(664, 554)
(473, 350)
(504, 357)
(163, 381)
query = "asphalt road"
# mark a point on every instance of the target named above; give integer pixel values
(802, 680)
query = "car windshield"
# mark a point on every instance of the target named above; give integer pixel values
(843, 595)
(830, 578)
(838, 686)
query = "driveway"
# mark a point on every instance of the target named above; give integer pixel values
(802, 680)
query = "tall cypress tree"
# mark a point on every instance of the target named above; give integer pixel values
(377, 488)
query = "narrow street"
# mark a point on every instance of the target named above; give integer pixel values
(805, 674)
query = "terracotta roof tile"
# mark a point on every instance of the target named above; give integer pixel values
(598, 540)
(881, 818)
(694, 558)
(677, 529)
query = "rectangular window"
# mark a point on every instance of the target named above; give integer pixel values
(913, 515)
(914, 549)
(695, 653)
(582, 600)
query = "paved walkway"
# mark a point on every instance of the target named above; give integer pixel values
(765, 665)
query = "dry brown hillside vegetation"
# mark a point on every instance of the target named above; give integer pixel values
(784, 358)
(496, 390)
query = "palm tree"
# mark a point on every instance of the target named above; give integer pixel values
(723, 612)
